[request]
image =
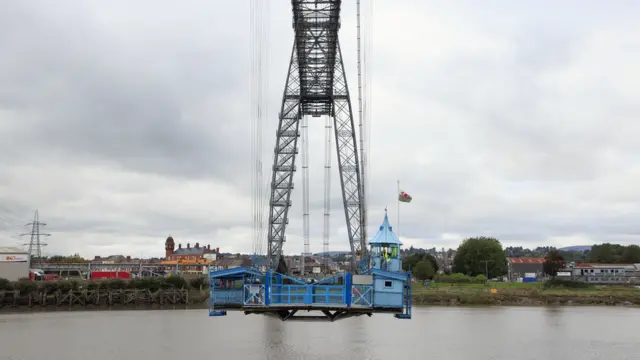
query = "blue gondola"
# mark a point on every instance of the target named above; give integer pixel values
(380, 287)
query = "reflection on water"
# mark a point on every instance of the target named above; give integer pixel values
(498, 333)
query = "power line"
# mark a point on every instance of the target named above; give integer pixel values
(35, 245)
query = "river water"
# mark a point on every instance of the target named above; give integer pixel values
(444, 333)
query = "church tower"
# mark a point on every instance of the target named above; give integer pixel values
(169, 246)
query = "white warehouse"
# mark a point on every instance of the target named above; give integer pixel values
(14, 263)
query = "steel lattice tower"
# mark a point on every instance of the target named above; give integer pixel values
(316, 85)
(35, 244)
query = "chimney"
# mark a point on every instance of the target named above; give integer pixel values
(188, 245)
(218, 251)
(197, 245)
(209, 247)
(179, 246)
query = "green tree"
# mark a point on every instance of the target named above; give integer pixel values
(631, 254)
(474, 252)
(72, 259)
(552, 263)
(606, 253)
(481, 278)
(423, 270)
(410, 261)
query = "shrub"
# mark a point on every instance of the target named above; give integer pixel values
(5, 284)
(199, 282)
(67, 285)
(152, 284)
(25, 287)
(95, 284)
(48, 286)
(458, 278)
(115, 284)
(558, 283)
(176, 282)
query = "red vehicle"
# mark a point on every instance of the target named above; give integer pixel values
(110, 275)
(39, 275)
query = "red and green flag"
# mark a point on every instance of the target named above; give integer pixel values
(404, 197)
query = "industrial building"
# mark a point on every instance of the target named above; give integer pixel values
(518, 267)
(602, 273)
(14, 263)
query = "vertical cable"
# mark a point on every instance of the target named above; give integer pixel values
(367, 95)
(304, 136)
(265, 181)
(252, 106)
(326, 234)
(363, 161)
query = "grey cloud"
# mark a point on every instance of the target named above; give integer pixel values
(157, 108)
(124, 123)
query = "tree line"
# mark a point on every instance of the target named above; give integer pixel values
(605, 253)
(153, 284)
(60, 259)
(486, 256)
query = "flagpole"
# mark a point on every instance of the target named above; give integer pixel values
(398, 213)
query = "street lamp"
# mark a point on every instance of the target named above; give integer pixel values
(486, 268)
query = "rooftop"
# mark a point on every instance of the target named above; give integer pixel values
(385, 234)
(189, 251)
(608, 266)
(526, 260)
(12, 249)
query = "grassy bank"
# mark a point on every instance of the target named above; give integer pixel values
(530, 294)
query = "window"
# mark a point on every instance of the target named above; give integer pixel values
(388, 283)
(375, 251)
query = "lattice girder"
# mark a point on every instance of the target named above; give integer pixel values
(316, 85)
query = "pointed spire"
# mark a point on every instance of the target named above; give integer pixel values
(385, 233)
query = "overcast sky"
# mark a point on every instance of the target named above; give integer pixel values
(124, 122)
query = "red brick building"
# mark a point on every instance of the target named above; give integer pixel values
(188, 254)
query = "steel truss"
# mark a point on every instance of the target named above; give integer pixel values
(316, 85)
(327, 315)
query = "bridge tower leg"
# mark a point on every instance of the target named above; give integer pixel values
(348, 161)
(284, 162)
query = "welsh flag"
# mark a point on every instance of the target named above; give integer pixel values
(404, 197)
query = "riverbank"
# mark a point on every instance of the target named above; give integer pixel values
(528, 295)
(167, 293)
(178, 293)
(102, 298)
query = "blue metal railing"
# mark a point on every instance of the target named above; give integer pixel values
(228, 296)
(307, 295)
(256, 295)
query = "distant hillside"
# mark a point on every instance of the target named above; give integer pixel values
(576, 248)
(333, 253)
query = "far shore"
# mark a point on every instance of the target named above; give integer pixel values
(523, 294)
(490, 294)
